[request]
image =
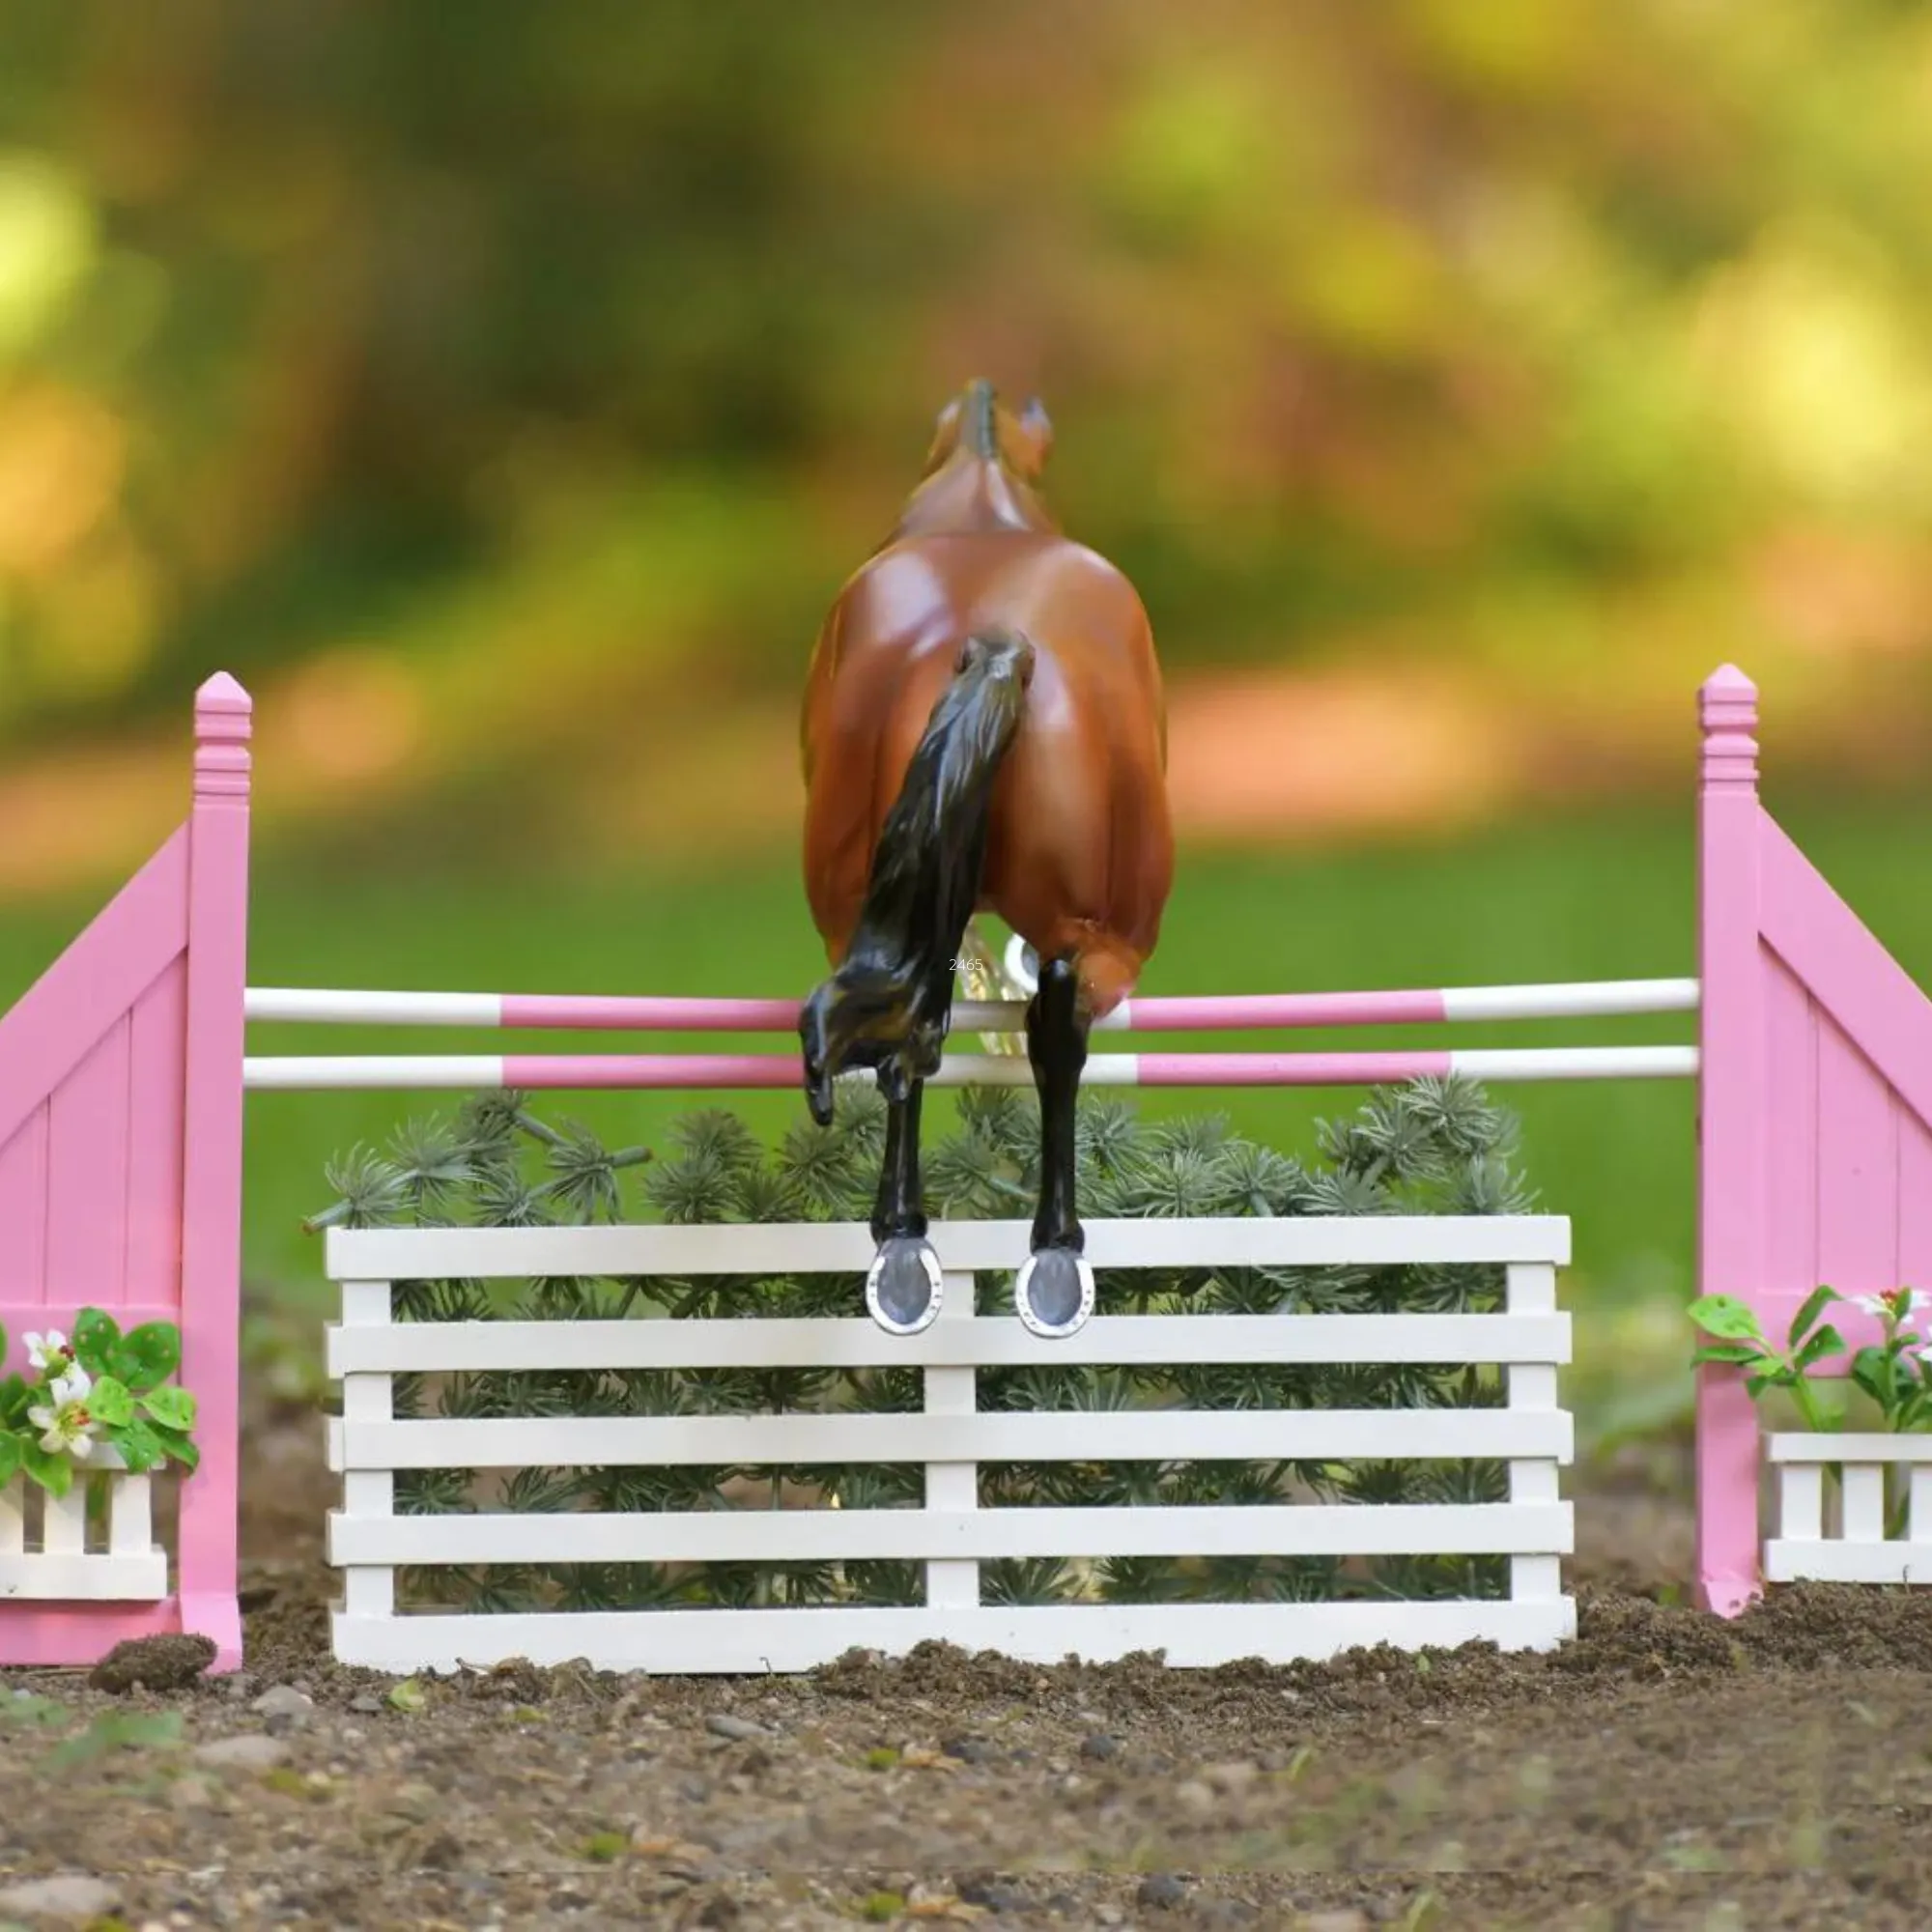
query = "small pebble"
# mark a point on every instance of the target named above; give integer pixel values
(1160, 1890)
(992, 1895)
(1194, 1798)
(253, 1751)
(416, 1800)
(1349, 1919)
(1100, 1746)
(740, 1731)
(283, 1708)
(65, 1895)
(367, 1703)
(969, 1751)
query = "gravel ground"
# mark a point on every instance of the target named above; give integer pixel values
(1666, 1769)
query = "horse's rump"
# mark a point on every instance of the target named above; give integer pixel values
(1079, 851)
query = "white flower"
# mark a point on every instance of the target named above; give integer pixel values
(66, 1424)
(50, 1351)
(1874, 1304)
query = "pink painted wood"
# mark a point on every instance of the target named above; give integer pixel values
(1186, 1012)
(538, 1073)
(1731, 1101)
(211, 1251)
(1816, 1113)
(120, 1167)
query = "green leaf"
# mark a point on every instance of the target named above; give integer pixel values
(147, 1354)
(29, 1707)
(172, 1407)
(406, 1697)
(178, 1445)
(1826, 1342)
(109, 1402)
(10, 1455)
(1726, 1316)
(96, 1334)
(1738, 1353)
(16, 1396)
(118, 1730)
(53, 1473)
(140, 1446)
(1871, 1371)
(1814, 1305)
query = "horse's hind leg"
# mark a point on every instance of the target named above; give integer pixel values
(902, 1290)
(1053, 1293)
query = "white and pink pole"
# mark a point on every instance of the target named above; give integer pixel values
(1227, 1012)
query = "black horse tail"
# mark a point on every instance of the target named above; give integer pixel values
(896, 977)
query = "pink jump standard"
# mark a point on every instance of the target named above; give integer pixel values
(120, 1169)
(1815, 1114)
(122, 1078)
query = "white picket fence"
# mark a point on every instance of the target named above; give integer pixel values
(1849, 1544)
(951, 1535)
(45, 1542)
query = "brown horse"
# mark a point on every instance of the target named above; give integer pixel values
(984, 727)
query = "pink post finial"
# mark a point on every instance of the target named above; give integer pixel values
(224, 723)
(1727, 713)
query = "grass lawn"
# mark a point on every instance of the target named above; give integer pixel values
(1596, 897)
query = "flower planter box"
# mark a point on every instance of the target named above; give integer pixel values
(1841, 1537)
(45, 1553)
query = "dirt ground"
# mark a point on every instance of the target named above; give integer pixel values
(1666, 1769)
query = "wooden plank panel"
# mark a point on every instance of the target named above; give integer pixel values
(1194, 1635)
(155, 1125)
(917, 1535)
(1792, 1024)
(1065, 1436)
(23, 1217)
(1915, 1204)
(1858, 1170)
(987, 1341)
(847, 1247)
(87, 1176)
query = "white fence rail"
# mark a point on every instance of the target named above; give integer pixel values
(951, 1535)
(1850, 1542)
(50, 1553)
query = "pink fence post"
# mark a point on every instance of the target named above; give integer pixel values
(1732, 1097)
(218, 921)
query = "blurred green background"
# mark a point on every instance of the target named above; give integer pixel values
(502, 393)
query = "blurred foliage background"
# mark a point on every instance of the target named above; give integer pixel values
(502, 391)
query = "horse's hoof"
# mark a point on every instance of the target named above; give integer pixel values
(1053, 1293)
(903, 1286)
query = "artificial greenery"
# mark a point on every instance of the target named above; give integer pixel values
(102, 1387)
(1892, 1372)
(1432, 1147)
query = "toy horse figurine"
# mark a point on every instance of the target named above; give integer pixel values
(984, 727)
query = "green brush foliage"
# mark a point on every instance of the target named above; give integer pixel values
(1431, 1147)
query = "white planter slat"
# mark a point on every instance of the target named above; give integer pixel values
(57, 1566)
(1809, 1548)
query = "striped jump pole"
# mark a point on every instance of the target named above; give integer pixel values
(1208, 1013)
(1186, 1013)
(534, 1072)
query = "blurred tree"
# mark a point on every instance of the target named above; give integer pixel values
(604, 338)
